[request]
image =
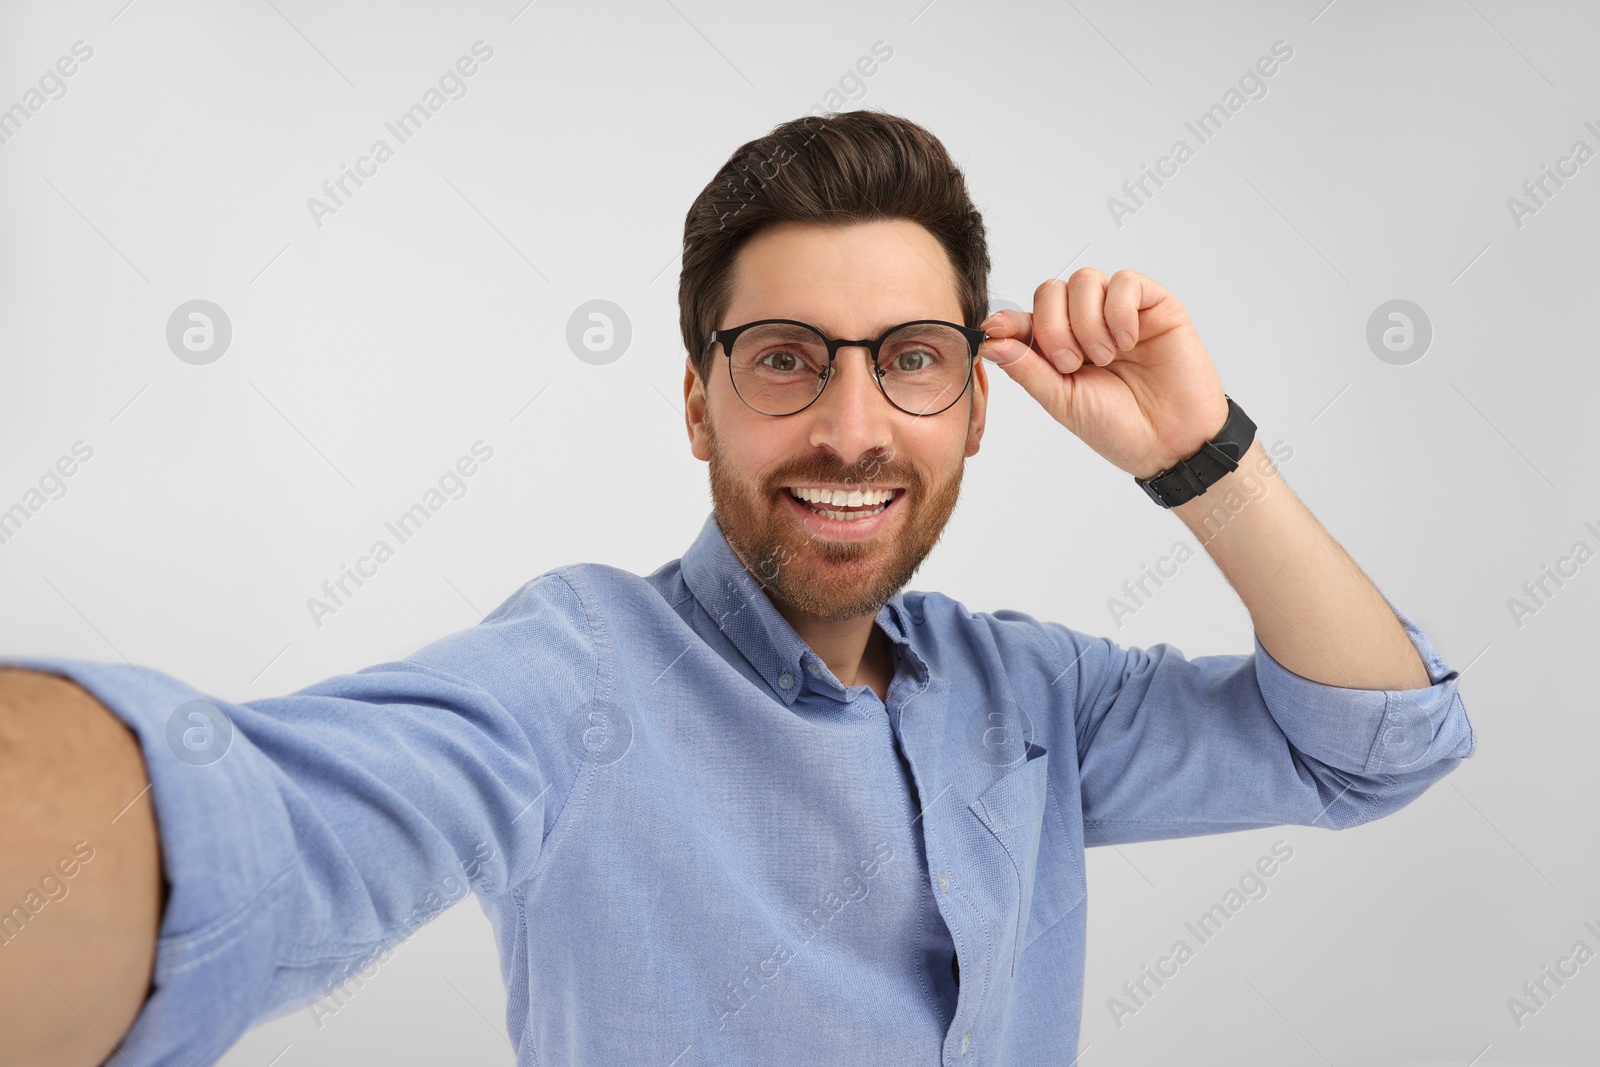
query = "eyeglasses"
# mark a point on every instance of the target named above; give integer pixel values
(780, 367)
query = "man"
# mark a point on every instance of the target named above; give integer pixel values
(764, 804)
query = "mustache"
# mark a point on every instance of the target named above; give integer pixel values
(846, 477)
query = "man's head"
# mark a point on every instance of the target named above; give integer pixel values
(852, 223)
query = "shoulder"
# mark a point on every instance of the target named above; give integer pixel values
(555, 590)
(592, 596)
(937, 610)
(1018, 642)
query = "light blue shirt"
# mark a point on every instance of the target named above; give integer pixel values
(697, 847)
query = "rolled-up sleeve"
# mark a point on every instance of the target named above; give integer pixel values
(1173, 747)
(303, 835)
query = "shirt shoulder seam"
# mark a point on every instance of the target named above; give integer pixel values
(597, 641)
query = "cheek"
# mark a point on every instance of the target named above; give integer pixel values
(761, 455)
(754, 470)
(939, 453)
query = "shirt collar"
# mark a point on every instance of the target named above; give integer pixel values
(735, 601)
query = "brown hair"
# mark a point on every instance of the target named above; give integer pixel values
(857, 166)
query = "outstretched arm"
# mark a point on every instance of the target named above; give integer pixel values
(302, 837)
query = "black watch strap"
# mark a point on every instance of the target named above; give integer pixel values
(1193, 476)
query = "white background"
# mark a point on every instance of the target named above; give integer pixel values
(369, 352)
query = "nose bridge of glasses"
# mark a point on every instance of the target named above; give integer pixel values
(843, 355)
(842, 347)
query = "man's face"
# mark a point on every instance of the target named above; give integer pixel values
(849, 281)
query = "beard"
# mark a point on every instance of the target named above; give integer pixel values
(817, 576)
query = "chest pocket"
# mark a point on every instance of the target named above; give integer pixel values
(1022, 812)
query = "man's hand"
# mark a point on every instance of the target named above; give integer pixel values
(1146, 397)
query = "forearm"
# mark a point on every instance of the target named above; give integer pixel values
(76, 950)
(1314, 610)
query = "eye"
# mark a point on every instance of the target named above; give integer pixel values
(914, 359)
(787, 360)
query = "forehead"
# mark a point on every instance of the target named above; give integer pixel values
(856, 276)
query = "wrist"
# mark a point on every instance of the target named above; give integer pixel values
(1240, 482)
(1171, 460)
(1192, 475)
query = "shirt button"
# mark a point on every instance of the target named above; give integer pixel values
(944, 883)
(786, 680)
(814, 668)
(966, 1040)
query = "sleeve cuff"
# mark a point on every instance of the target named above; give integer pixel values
(1371, 731)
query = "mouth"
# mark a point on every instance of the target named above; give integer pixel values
(845, 505)
(831, 513)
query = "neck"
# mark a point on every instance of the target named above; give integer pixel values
(855, 650)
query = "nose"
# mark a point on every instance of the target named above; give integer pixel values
(852, 417)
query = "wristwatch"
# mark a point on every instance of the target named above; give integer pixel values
(1193, 476)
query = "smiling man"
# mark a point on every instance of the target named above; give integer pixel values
(827, 564)
(765, 804)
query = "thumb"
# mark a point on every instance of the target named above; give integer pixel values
(1037, 375)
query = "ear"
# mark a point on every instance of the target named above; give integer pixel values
(980, 405)
(694, 411)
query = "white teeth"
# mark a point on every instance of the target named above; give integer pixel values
(841, 498)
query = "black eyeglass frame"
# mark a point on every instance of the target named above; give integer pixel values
(728, 337)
